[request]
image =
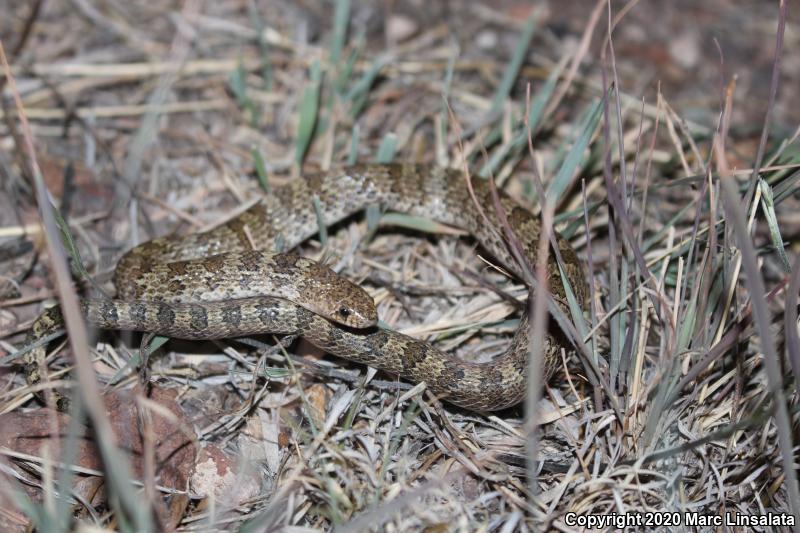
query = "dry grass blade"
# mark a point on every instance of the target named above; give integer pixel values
(119, 475)
(147, 133)
(790, 323)
(512, 69)
(755, 286)
(773, 91)
(665, 405)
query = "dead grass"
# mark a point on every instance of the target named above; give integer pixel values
(146, 121)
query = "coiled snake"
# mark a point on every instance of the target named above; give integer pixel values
(217, 284)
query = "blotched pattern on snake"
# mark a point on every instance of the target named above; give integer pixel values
(215, 285)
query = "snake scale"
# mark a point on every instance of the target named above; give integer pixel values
(219, 284)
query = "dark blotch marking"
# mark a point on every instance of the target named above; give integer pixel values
(449, 378)
(285, 261)
(138, 313)
(165, 315)
(335, 335)
(198, 318)
(396, 178)
(237, 227)
(109, 312)
(377, 342)
(177, 268)
(214, 264)
(250, 261)
(315, 181)
(414, 354)
(520, 217)
(232, 315)
(127, 286)
(267, 314)
(491, 381)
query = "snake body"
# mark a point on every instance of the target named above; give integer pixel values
(217, 275)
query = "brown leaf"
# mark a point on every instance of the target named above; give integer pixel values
(43, 432)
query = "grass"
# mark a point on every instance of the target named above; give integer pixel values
(679, 398)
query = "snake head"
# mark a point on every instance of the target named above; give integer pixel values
(354, 309)
(333, 296)
(359, 315)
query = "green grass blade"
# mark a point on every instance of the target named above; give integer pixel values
(308, 113)
(237, 82)
(357, 95)
(261, 169)
(444, 114)
(69, 246)
(786, 187)
(768, 205)
(352, 156)
(374, 214)
(387, 148)
(36, 512)
(340, 19)
(512, 70)
(345, 71)
(578, 223)
(575, 155)
(519, 142)
(66, 478)
(321, 225)
(263, 45)
(542, 98)
(136, 359)
(415, 223)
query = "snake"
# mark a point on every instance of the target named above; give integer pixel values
(241, 278)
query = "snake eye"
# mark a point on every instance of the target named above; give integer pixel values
(344, 312)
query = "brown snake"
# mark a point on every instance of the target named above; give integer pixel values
(212, 285)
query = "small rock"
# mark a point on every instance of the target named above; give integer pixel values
(486, 39)
(221, 475)
(685, 50)
(400, 27)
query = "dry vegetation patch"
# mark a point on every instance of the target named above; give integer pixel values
(158, 117)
